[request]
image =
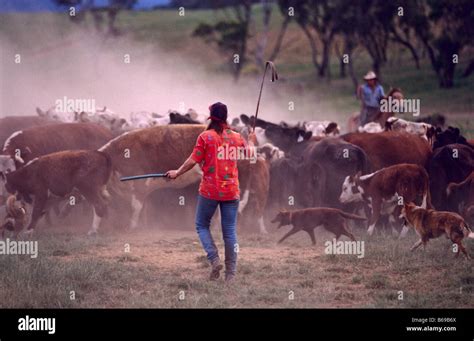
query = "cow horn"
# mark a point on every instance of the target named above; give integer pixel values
(19, 159)
(40, 112)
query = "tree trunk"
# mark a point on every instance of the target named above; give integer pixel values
(351, 72)
(243, 43)
(262, 43)
(312, 44)
(326, 57)
(279, 41)
(469, 69)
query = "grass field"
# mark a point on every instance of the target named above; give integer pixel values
(166, 268)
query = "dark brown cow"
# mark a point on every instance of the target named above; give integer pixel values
(451, 163)
(383, 189)
(58, 174)
(10, 124)
(177, 118)
(390, 148)
(463, 194)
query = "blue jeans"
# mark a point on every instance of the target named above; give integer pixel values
(229, 209)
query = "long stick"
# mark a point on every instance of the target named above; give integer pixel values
(144, 176)
(274, 78)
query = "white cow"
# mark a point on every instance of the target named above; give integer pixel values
(322, 128)
(421, 129)
(371, 127)
(52, 114)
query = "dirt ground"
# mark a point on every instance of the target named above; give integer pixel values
(149, 268)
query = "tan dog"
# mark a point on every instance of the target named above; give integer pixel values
(308, 219)
(16, 217)
(430, 224)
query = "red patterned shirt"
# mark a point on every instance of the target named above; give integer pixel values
(220, 179)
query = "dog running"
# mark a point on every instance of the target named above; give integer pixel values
(430, 224)
(332, 219)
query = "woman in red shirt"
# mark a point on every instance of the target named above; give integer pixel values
(217, 150)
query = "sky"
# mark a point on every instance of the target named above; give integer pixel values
(49, 5)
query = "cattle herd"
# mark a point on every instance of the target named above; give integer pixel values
(372, 172)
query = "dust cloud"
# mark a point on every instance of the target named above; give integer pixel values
(120, 73)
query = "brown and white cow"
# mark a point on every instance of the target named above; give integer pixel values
(387, 189)
(254, 178)
(390, 148)
(58, 174)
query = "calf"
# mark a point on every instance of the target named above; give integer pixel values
(383, 189)
(463, 194)
(58, 174)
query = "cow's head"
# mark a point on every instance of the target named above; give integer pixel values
(117, 125)
(270, 152)
(52, 114)
(283, 218)
(7, 164)
(448, 136)
(332, 129)
(351, 189)
(286, 138)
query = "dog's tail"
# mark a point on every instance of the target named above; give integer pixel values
(467, 231)
(351, 216)
(14, 208)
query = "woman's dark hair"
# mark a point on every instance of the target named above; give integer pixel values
(218, 117)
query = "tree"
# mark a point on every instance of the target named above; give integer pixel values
(98, 12)
(262, 42)
(319, 20)
(445, 28)
(231, 35)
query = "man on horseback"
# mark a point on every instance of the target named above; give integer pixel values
(370, 95)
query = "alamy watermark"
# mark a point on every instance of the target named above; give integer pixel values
(19, 247)
(400, 106)
(334, 247)
(228, 152)
(75, 105)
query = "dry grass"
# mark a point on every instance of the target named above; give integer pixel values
(163, 264)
